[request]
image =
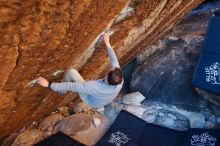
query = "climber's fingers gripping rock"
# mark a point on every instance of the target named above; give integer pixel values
(43, 82)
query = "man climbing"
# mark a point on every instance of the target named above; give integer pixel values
(95, 93)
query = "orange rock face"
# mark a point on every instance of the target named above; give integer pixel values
(45, 38)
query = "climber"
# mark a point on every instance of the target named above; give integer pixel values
(95, 93)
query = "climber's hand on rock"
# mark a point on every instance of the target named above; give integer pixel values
(43, 82)
(106, 40)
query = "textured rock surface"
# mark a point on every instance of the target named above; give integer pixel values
(73, 124)
(49, 122)
(44, 38)
(164, 74)
(166, 68)
(92, 135)
(80, 127)
(173, 117)
(28, 138)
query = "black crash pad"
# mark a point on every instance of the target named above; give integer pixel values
(129, 130)
(59, 139)
(207, 72)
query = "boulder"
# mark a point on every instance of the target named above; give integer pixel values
(49, 122)
(165, 70)
(210, 122)
(45, 38)
(150, 115)
(64, 110)
(197, 120)
(28, 138)
(73, 124)
(166, 118)
(81, 107)
(93, 134)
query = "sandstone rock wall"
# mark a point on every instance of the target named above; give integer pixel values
(44, 38)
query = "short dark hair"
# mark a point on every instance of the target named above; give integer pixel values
(114, 76)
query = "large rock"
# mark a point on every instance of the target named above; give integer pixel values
(197, 120)
(80, 128)
(73, 124)
(28, 138)
(64, 110)
(49, 122)
(173, 117)
(165, 69)
(93, 134)
(172, 120)
(44, 38)
(80, 107)
(159, 114)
